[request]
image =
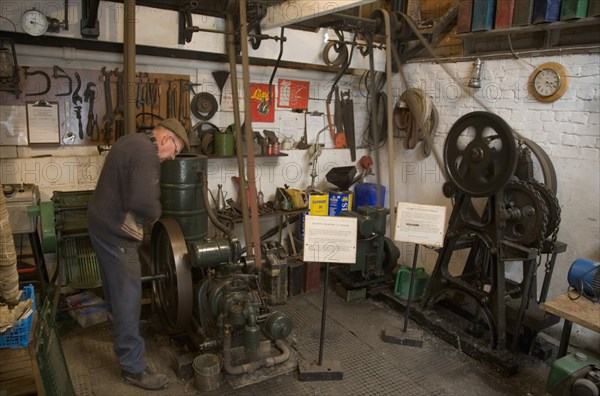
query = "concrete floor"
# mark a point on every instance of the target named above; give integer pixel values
(353, 337)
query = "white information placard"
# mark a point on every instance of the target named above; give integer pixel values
(13, 126)
(42, 122)
(420, 224)
(330, 239)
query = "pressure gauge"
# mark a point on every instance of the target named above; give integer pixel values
(33, 22)
(548, 82)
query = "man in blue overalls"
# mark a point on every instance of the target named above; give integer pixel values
(126, 197)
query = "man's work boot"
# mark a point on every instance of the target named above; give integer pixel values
(147, 379)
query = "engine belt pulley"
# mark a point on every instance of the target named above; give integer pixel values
(480, 154)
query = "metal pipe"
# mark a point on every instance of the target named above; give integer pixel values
(229, 27)
(323, 315)
(284, 356)
(211, 214)
(197, 29)
(390, 120)
(152, 278)
(252, 366)
(410, 288)
(66, 20)
(251, 168)
(373, 118)
(129, 65)
(229, 368)
(281, 41)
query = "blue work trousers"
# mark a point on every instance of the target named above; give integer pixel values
(120, 271)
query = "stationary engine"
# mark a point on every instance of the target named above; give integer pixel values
(376, 255)
(206, 280)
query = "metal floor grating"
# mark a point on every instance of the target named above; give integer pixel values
(353, 337)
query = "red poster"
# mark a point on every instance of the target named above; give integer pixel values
(293, 94)
(259, 102)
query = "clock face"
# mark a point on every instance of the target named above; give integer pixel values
(546, 82)
(33, 22)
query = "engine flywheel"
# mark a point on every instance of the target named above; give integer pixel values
(172, 293)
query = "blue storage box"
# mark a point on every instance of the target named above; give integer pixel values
(365, 194)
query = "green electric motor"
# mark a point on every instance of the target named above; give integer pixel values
(575, 374)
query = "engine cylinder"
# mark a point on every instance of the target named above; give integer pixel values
(211, 252)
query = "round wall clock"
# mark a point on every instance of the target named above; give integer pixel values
(548, 82)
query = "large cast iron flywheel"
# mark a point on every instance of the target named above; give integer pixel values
(480, 154)
(172, 291)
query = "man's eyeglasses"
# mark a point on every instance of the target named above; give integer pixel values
(177, 151)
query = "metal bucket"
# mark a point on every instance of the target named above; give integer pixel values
(181, 194)
(207, 372)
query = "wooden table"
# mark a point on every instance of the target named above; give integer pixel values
(580, 311)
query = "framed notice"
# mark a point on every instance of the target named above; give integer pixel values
(330, 239)
(42, 122)
(13, 126)
(420, 224)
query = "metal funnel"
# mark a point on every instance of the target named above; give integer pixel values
(220, 77)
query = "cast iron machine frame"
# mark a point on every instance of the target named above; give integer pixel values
(517, 221)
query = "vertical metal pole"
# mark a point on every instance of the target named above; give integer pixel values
(230, 40)
(251, 165)
(323, 315)
(374, 111)
(410, 288)
(129, 65)
(390, 122)
(499, 303)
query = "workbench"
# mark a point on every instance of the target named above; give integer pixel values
(581, 311)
